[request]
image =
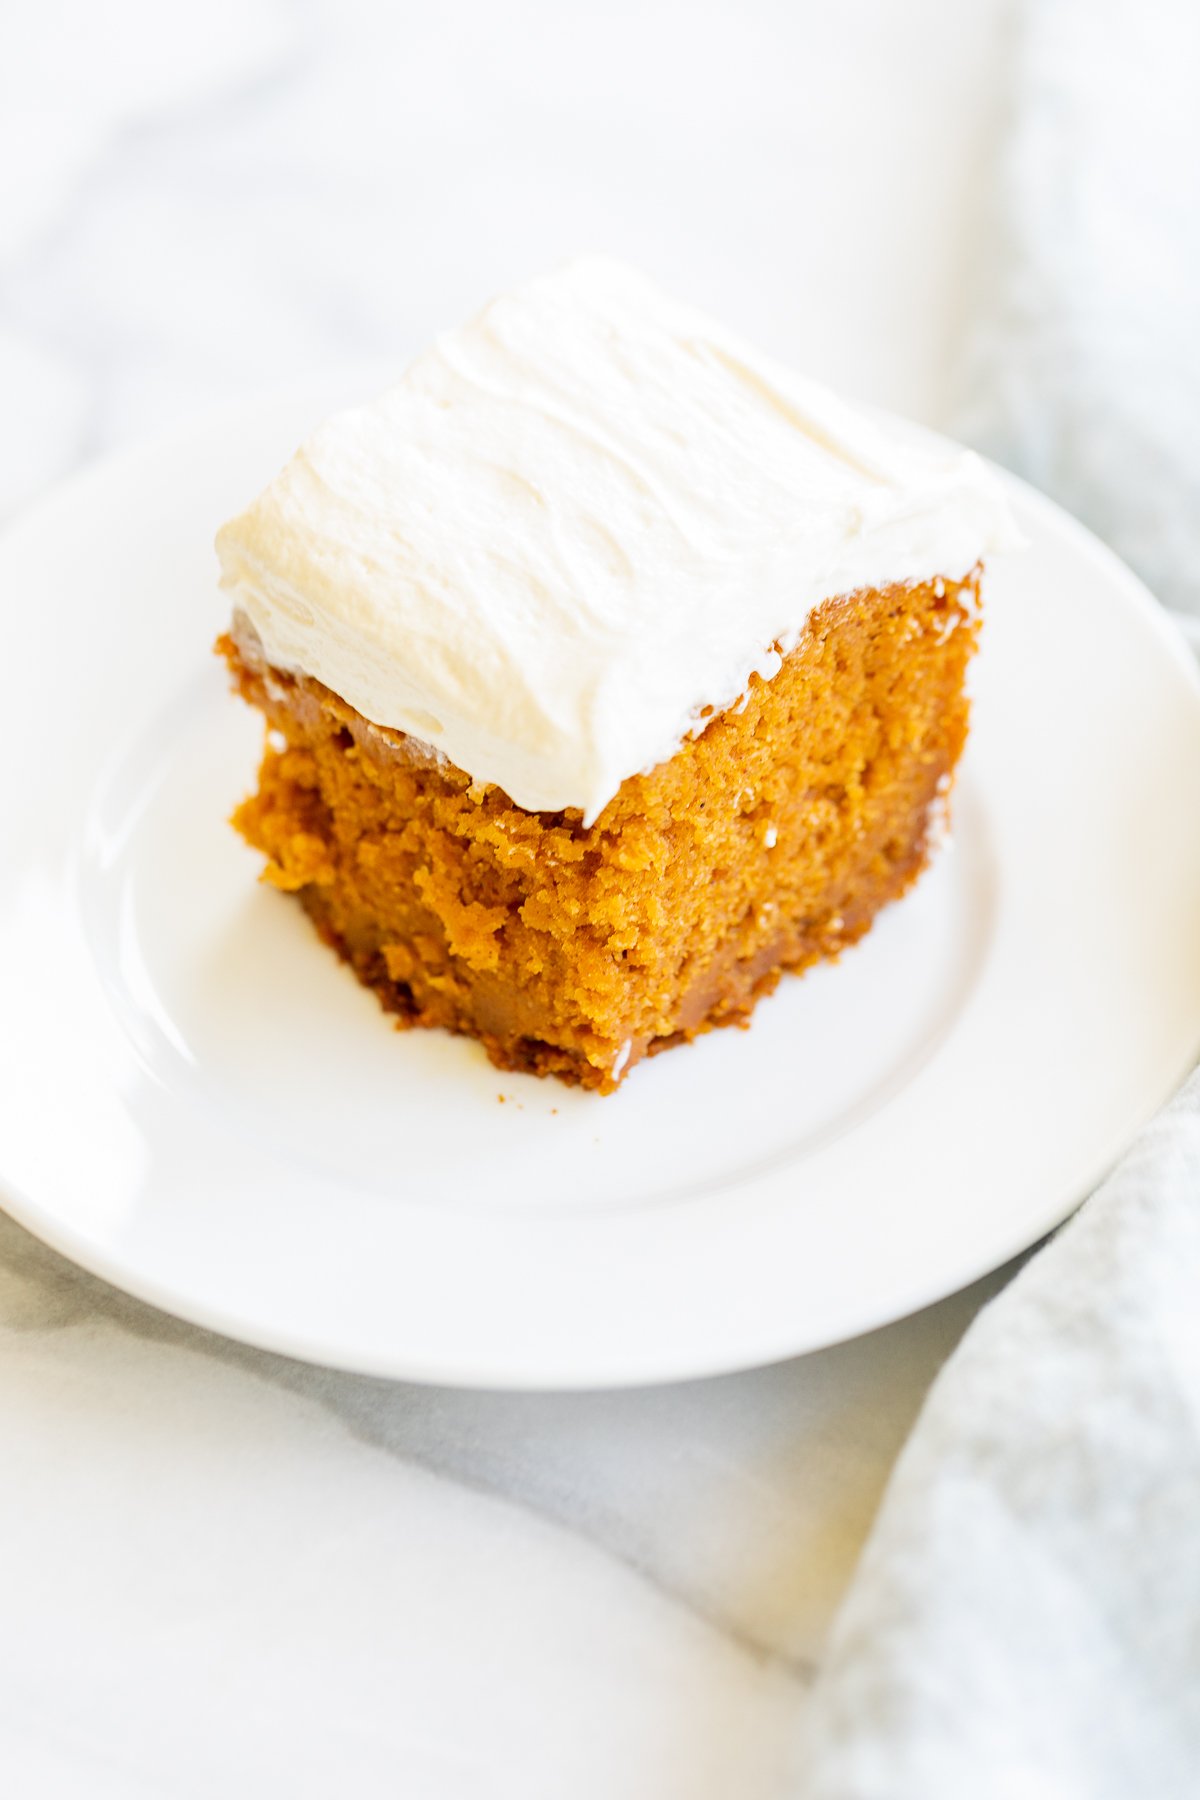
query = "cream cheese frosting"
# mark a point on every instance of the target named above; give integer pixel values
(580, 522)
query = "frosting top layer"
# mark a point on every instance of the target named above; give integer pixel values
(578, 522)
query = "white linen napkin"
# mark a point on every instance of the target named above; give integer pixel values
(1025, 1621)
(1083, 366)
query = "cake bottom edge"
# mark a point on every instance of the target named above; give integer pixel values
(725, 993)
(770, 842)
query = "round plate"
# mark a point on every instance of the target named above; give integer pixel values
(201, 1105)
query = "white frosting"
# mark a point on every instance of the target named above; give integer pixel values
(576, 523)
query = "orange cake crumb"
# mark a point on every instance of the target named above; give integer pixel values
(769, 841)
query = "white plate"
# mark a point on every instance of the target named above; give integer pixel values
(199, 1103)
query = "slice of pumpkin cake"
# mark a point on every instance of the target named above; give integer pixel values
(611, 669)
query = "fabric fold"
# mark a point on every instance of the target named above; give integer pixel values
(1026, 1617)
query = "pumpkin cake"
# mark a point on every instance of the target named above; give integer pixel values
(609, 670)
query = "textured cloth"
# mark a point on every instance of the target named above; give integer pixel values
(1026, 1618)
(1083, 372)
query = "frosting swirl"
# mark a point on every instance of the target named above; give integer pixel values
(577, 523)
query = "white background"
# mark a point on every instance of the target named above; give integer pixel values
(200, 199)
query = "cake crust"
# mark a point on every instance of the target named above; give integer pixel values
(768, 842)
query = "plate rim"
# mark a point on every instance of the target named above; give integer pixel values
(59, 1235)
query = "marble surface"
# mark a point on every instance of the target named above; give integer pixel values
(224, 1571)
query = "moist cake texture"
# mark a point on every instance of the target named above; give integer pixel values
(671, 707)
(769, 841)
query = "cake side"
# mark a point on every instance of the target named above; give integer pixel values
(767, 842)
